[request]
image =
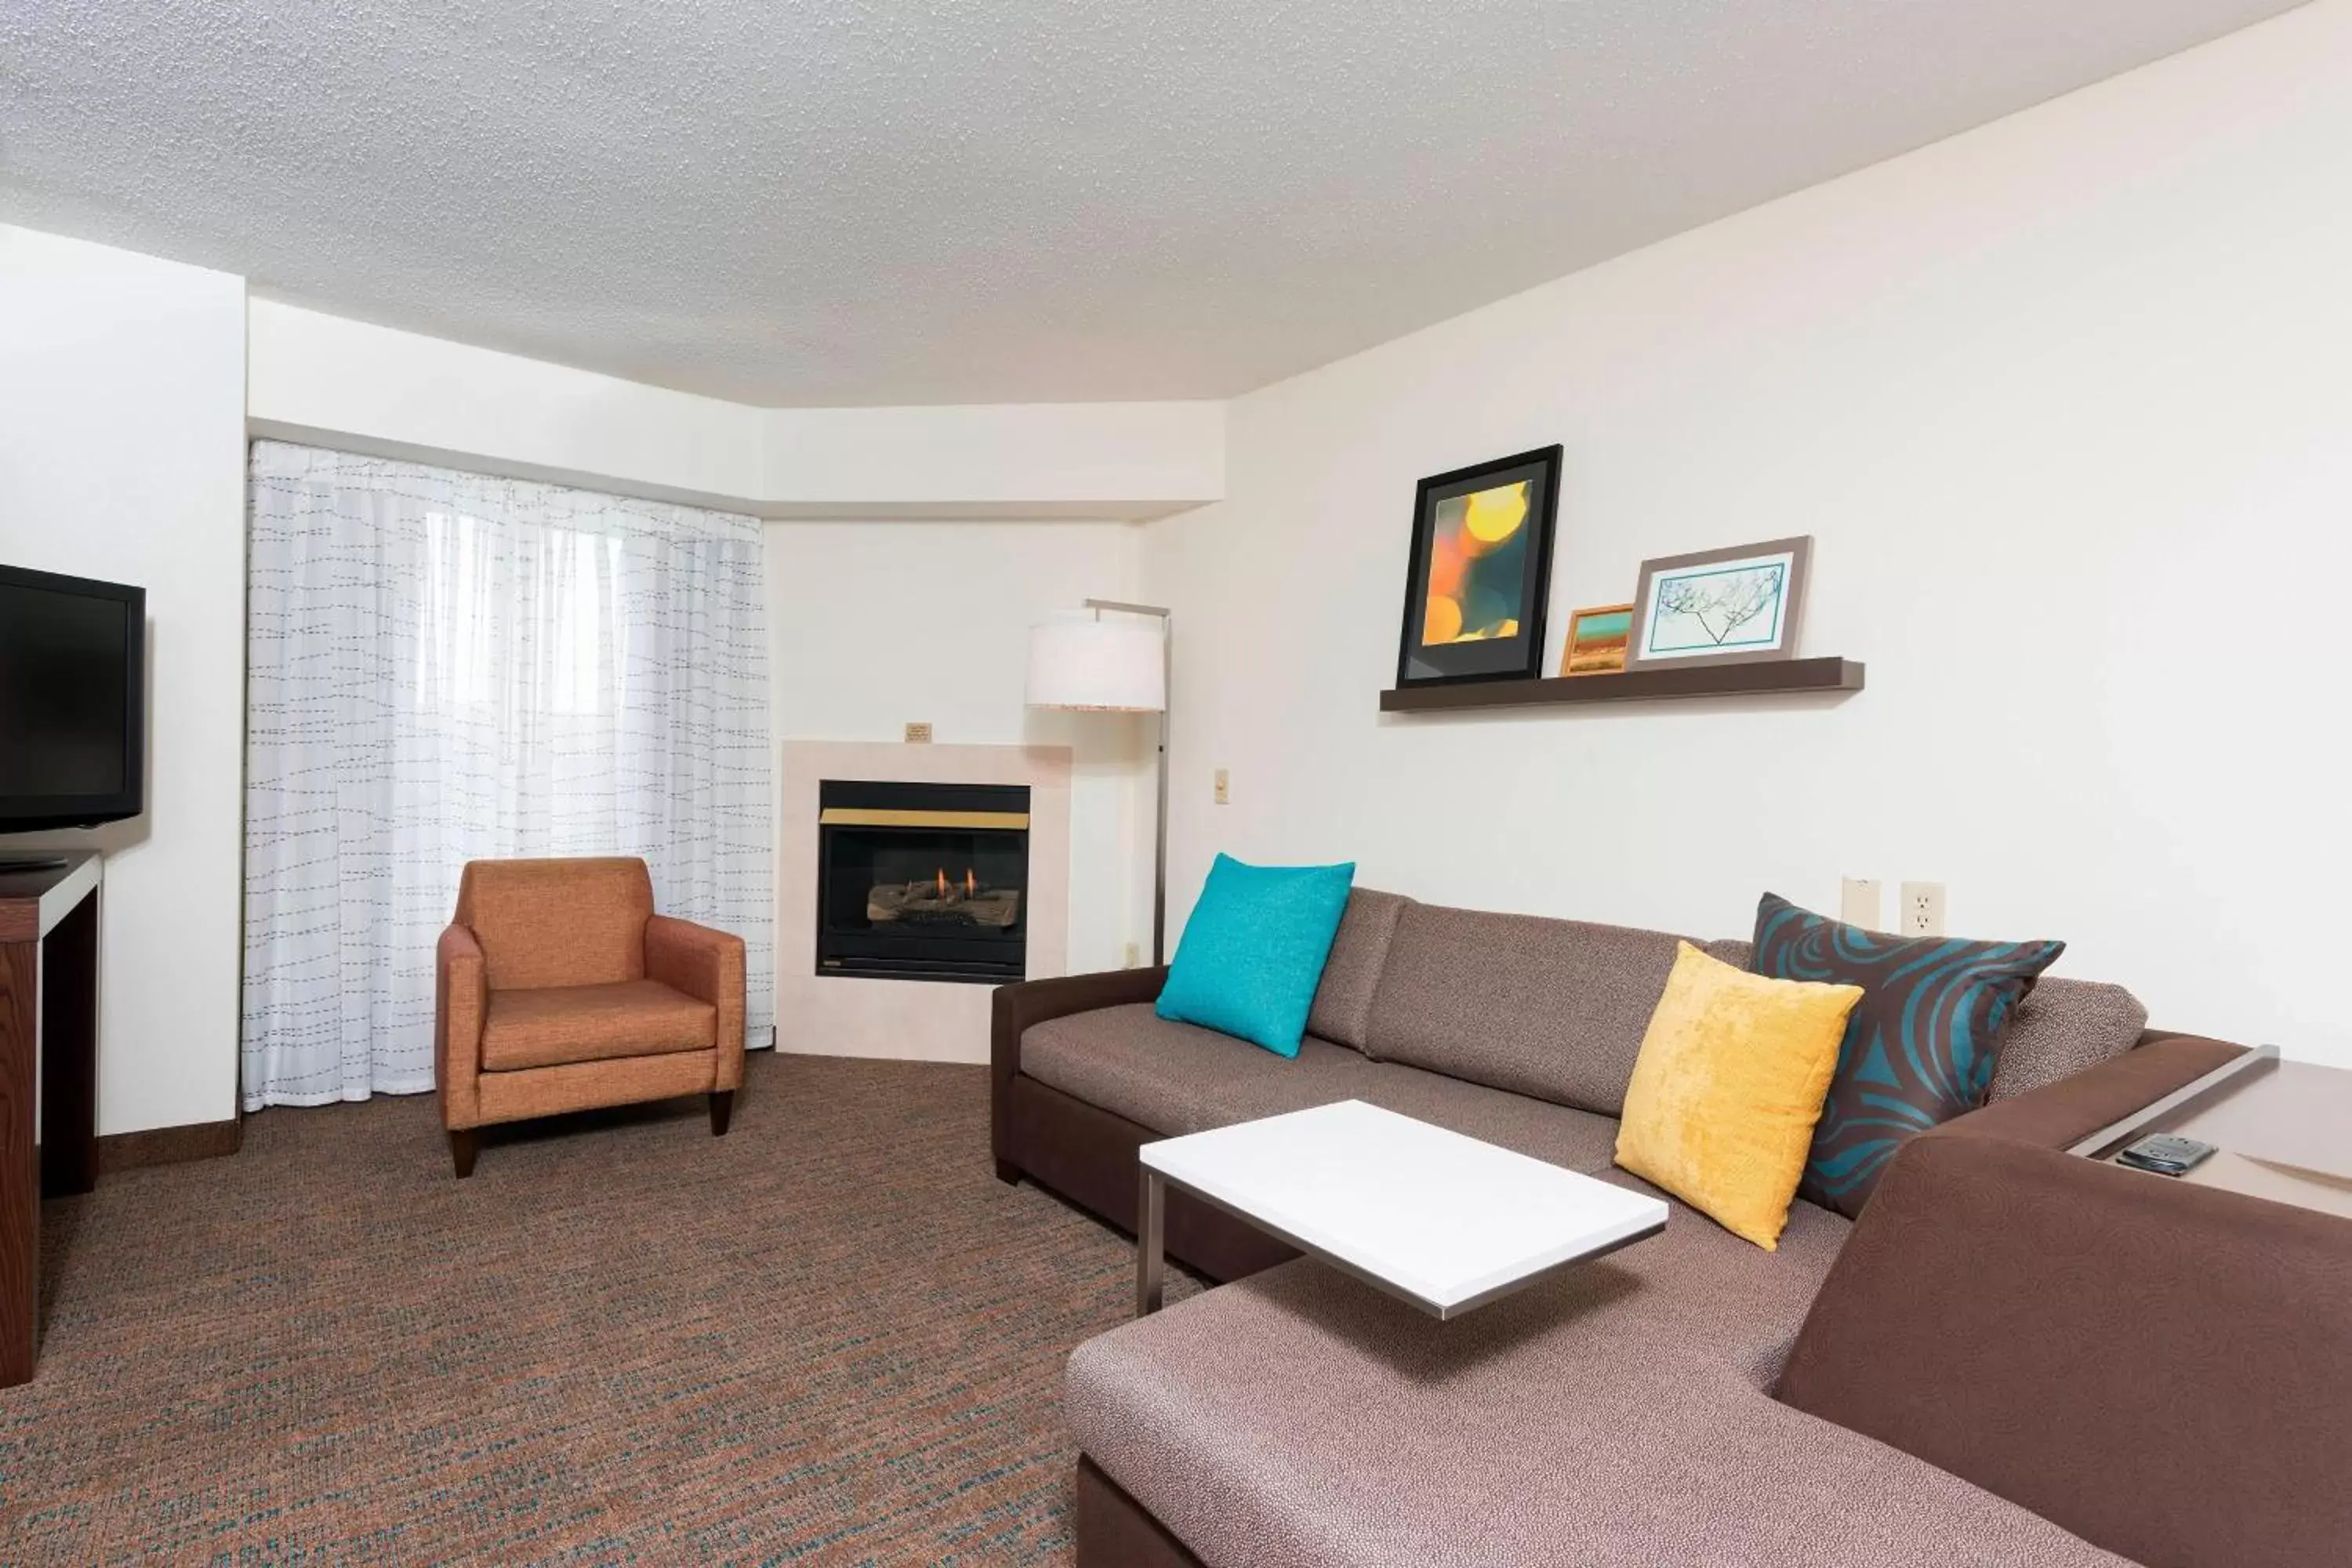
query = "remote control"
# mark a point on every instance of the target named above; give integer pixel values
(2165, 1153)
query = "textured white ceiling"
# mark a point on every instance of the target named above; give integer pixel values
(942, 201)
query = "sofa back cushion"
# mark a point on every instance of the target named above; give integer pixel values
(2062, 1027)
(1351, 974)
(1551, 1008)
(557, 922)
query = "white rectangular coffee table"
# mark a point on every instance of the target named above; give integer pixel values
(1434, 1218)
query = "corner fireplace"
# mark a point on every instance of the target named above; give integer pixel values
(922, 881)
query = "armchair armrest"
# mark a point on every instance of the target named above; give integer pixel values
(461, 1001)
(1016, 1007)
(707, 965)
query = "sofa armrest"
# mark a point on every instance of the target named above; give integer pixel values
(707, 965)
(2060, 1114)
(2157, 1366)
(461, 1001)
(1014, 1008)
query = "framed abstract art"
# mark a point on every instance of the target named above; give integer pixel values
(1597, 639)
(1720, 606)
(1479, 571)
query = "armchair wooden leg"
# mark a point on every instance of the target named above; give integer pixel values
(722, 1106)
(461, 1151)
(1006, 1171)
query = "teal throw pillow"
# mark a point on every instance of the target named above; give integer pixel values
(1252, 952)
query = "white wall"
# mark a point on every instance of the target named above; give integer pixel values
(871, 625)
(2064, 402)
(122, 457)
(333, 382)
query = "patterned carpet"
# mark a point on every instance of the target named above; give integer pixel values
(830, 1337)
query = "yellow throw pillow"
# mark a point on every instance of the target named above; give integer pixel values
(1730, 1080)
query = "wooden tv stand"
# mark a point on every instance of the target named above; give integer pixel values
(48, 1007)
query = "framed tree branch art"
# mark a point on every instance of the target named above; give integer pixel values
(1739, 606)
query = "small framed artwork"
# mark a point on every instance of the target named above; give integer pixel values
(1597, 639)
(1739, 606)
(1480, 569)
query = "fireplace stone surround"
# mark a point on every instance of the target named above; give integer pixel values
(852, 1014)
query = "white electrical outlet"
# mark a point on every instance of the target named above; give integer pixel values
(1225, 788)
(1134, 958)
(1860, 902)
(1923, 909)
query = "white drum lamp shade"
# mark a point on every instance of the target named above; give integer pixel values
(1109, 665)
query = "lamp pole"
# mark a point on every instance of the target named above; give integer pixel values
(1167, 702)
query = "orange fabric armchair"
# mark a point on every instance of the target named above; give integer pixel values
(560, 989)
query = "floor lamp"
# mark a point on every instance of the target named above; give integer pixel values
(1090, 664)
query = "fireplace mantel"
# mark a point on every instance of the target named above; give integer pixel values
(850, 1016)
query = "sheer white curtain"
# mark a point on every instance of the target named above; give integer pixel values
(446, 667)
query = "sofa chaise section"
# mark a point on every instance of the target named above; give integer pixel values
(1622, 1414)
(1625, 1412)
(1616, 1414)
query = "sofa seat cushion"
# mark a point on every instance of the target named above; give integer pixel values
(1615, 1414)
(551, 1024)
(1548, 1007)
(1176, 1078)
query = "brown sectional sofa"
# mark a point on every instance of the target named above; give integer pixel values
(1621, 1413)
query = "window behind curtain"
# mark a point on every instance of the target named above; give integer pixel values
(447, 666)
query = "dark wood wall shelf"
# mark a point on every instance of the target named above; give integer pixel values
(1778, 677)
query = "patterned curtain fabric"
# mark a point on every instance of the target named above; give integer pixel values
(446, 667)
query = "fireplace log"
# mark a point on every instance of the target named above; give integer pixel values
(995, 908)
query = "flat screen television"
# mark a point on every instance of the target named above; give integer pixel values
(73, 700)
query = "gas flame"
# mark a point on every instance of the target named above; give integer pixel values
(970, 883)
(943, 876)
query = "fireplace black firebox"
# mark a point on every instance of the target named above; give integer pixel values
(919, 881)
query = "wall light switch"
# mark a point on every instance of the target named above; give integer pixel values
(1923, 909)
(918, 734)
(1860, 903)
(1225, 788)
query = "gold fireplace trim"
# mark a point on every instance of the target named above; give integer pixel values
(864, 816)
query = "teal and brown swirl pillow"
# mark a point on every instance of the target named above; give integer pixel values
(1920, 1046)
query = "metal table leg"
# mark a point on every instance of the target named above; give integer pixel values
(1150, 1242)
